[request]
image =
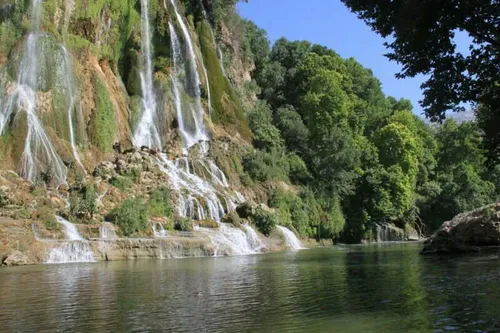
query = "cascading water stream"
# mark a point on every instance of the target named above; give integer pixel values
(291, 240)
(38, 149)
(70, 81)
(107, 231)
(75, 249)
(190, 116)
(159, 231)
(201, 195)
(147, 133)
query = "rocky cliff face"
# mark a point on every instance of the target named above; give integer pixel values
(467, 232)
(88, 90)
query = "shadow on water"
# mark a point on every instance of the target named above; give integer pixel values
(344, 289)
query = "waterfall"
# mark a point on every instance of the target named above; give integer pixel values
(253, 238)
(147, 132)
(69, 229)
(159, 230)
(186, 86)
(38, 149)
(70, 82)
(75, 249)
(291, 240)
(233, 241)
(107, 231)
(203, 192)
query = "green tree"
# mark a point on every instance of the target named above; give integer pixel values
(266, 135)
(422, 39)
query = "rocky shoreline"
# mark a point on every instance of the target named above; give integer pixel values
(19, 246)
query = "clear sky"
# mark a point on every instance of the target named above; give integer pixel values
(330, 23)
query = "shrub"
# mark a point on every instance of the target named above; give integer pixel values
(134, 174)
(159, 203)
(266, 135)
(121, 182)
(83, 204)
(292, 210)
(299, 174)
(262, 166)
(184, 224)
(265, 221)
(4, 200)
(131, 216)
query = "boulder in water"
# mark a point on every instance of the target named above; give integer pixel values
(467, 232)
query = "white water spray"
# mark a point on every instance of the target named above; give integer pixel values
(147, 132)
(203, 193)
(159, 231)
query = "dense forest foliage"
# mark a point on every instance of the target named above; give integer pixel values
(356, 157)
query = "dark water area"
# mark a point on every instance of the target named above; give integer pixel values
(386, 288)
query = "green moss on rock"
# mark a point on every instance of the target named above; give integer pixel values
(227, 108)
(102, 127)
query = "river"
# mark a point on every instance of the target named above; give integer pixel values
(385, 288)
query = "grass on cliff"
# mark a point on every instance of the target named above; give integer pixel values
(102, 125)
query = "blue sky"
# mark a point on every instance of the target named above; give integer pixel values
(330, 23)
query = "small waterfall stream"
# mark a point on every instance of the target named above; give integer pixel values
(107, 231)
(39, 155)
(204, 193)
(70, 82)
(291, 240)
(75, 249)
(147, 133)
(38, 149)
(186, 82)
(159, 231)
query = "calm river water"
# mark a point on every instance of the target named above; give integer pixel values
(387, 288)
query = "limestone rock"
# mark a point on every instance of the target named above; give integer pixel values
(467, 232)
(17, 258)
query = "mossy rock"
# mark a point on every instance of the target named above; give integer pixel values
(227, 107)
(210, 224)
(102, 126)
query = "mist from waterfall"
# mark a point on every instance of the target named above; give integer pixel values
(147, 132)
